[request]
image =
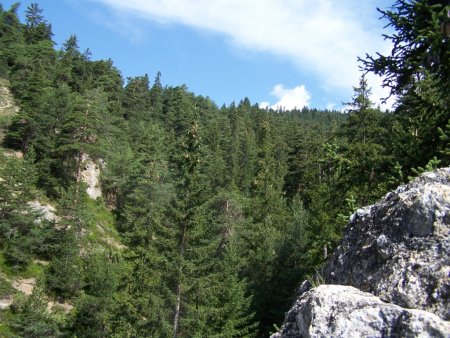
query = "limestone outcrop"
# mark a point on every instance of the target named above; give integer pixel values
(344, 311)
(47, 212)
(90, 175)
(396, 253)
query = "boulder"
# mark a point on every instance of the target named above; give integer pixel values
(344, 311)
(399, 248)
(390, 275)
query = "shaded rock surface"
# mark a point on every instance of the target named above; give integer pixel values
(390, 275)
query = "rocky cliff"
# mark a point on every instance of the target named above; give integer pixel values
(90, 175)
(390, 275)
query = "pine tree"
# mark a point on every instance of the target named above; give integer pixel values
(11, 39)
(64, 277)
(37, 28)
(241, 149)
(137, 98)
(233, 316)
(156, 98)
(17, 218)
(188, 198)
(418, 71)
(32, 319)
(367, 160)
(420, 41)
(445, 138)
(82, 131)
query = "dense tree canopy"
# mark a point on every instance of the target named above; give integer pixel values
(210, 217)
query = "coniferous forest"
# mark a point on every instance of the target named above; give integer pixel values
(209, 217)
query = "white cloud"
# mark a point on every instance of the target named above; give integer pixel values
(324, 37)
(288, 98)
(331, 106)
(380, 94)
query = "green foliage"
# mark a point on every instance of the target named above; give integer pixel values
(222, 211)
(31, 270)
(351, 208)
(368, 160)
(37, 28)
(64, 276)
(445, 138)
(5, 287)
(11, 39)
(432, 164)
(91, 319)
(31, 317)
(418, 71)
(316, 279)
(18, 228)
(420, 42)
(100, 275)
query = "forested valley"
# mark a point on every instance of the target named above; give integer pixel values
(209, 217)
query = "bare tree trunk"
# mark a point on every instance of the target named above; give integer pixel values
(78, 176)
(176, 318)
(177, 310)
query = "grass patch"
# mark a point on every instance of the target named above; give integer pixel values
(5, 288)
(316, 279)
(101, 220)
(5, 318)
(33, 269)
(5, 120)
(7, 269)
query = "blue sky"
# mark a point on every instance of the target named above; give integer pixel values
(275, 52)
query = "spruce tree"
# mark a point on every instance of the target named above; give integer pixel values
(418, 71)
(37, 28)
(17, 218)
(367, 159)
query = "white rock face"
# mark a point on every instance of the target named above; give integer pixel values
(47, 211)
(5, 303)
(344, 311)
(25, 285)
(90, 174)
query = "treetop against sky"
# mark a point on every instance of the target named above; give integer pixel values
(277, 53)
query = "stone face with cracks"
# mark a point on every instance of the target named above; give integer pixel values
(390, 275)
(399, 248)
(344, 311)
